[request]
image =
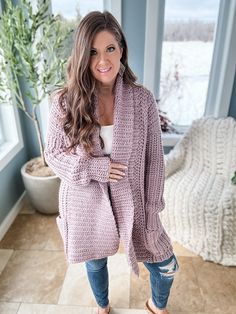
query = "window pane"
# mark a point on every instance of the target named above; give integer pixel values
(5, 96)
(186, 58)
(70, 8)
(1, 134)
(71, 12)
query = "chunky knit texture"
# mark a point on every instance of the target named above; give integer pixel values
(91, 223)
(200, 208)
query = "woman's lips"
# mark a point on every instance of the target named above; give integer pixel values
(104, 71)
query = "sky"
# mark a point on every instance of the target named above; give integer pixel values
(175, 9)
(67, 7)
(189, 9)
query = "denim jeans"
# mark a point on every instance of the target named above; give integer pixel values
(161, 279)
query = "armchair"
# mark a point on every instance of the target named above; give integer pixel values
(200, 200)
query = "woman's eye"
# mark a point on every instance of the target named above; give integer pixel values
(92, 52)
(110, 49)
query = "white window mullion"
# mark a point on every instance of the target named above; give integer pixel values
(13, 141)
(44, 109)
(1, 134)
(153, 45)
(223, 62)
(115, 8)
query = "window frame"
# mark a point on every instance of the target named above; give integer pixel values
(115, 7)
(223, 62)
(1, 134)
(221, 77)
(13, 141)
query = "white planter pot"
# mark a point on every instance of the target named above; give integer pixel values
(42, 191)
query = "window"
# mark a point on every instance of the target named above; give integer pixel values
(1, 129)
(188, 42)
(11, 140)
(215, 84)
(1, 134)
(10, 132)
(71, 9)
(71, 12)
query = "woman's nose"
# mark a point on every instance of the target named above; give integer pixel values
(102, 57)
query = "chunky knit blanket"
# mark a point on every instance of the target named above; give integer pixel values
(200, 200)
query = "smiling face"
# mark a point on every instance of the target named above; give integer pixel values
(105, 58)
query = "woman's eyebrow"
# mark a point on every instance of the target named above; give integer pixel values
(105, 47)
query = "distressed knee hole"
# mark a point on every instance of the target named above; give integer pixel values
(170, 269)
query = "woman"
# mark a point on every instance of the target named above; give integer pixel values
(104, 142)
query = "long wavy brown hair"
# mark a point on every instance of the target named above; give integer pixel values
(80, 121)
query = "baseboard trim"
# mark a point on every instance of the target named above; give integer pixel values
(7, 222)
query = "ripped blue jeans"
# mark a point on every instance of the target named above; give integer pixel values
(161, 279)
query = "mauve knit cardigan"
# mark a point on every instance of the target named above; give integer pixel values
(91, 223)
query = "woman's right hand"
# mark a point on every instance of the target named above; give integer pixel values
(115, 172)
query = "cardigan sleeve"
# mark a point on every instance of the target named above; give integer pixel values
(75, 168)
(154, 167)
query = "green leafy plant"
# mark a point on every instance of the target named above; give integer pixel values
(30, 40)
(233, 179)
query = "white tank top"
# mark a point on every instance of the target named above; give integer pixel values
(106, 133)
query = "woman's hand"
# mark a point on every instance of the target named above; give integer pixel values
(115, 172)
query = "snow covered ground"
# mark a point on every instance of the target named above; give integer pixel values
(184, 79)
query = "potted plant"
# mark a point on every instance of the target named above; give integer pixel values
(166, 124)
(30, 39)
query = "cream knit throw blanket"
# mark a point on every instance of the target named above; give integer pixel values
(200, 210)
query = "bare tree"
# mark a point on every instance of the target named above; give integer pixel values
(192, 30)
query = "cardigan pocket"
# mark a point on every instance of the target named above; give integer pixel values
(153, 222)
(153, 233)
(156, 238)
(63, 228)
